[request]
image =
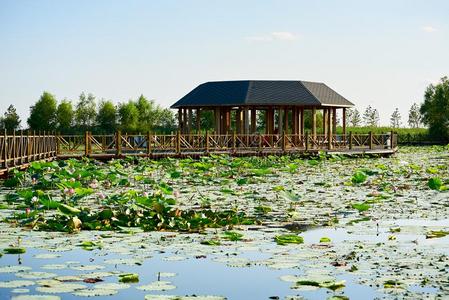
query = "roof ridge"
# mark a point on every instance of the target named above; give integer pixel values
(250, 85)
(310, 93)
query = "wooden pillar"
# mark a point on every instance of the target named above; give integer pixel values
(179, 118)
(198, 120)
(344, 121)
(86, 143)
(238, 116)
(267, 122)
(329, 128)
(228, 120)
(245, 120)
(118, 143)
(301, 126)
(253, 120)
(190, 121)
(5, 150)
(217, 120)
(325, 121)
(314, 123)
(295, 120)
(149, 138)
(334, 120)
(185, 121)
(286, 120)
(280, 121)
(178, 142)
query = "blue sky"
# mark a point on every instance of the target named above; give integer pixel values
(379, 53)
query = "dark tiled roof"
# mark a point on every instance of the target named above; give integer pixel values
(262, 93)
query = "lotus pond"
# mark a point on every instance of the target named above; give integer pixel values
(327, 227)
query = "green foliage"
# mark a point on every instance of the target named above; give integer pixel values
(128, 116)
(435, 109)
(435, 183)
(325, 240)
(232, 236)
(285, 239)
(128, 278)
(359, 177)
(361, 207)
(107, 117)
(64, 116)
(43, 113)
(86, 112)
(10, 120)
(14, 250)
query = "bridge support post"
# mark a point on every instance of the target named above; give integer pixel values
(370, 140)
(350, 140)
(5, 150)
(118, 143)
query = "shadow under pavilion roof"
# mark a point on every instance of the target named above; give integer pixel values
(262, 93)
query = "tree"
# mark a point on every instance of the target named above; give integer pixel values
(435, 109)
(128, 116)
(414, 116)
(43, 113)
(395, 119)
(107, 117)
(355, 120)
(371, 116)
(86, 113)
(11, 120)
(64, 116)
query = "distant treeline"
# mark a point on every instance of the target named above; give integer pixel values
(87, 114)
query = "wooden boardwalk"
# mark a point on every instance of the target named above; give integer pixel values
(18, 151)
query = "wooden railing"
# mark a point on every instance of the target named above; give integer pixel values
(19, 149)
(150, 144)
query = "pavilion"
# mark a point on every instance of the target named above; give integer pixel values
(245, 98)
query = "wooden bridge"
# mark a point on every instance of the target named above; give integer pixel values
(18, 150)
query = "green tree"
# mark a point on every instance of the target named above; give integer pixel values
(435, 109)
(356, 119)
(128, 116)
(86, 113)
(64, 116)
(107, 117)
(371, 116)
(395, 119)
(43, 113)
(11, 120)
(414, 116)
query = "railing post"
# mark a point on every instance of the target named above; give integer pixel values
(28, 146)
(234, 141)
(34, 145)
(86, 143)
(5, 150)
(350, 140)
(14, 148)
(58, 145)
(118, 143)
(260, 142)
(284, 141)
(307, 140)
(207, 141)
(329, 140)
(22, 146)
(392, 139)
(371, 140)
(148, 143)
(178, 142)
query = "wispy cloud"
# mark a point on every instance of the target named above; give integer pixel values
(274, 36)
(429, 28)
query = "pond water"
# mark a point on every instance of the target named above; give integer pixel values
(385, 237)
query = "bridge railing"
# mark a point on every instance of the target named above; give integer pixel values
(19, 149)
